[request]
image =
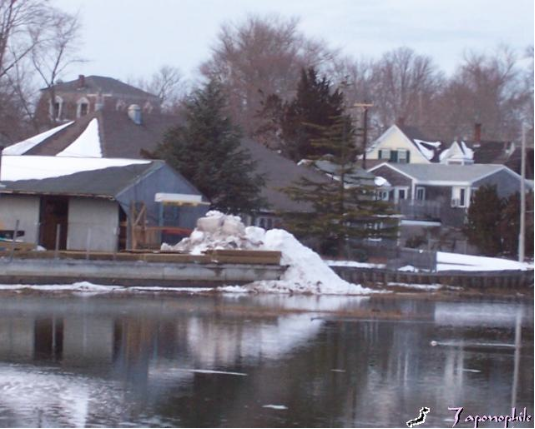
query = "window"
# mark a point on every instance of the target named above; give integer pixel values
(82, 108)
(400, 194)
(56, 108)
(459, 197)
(384, 154)
(382, 195)
(420, 193)
(403, 156)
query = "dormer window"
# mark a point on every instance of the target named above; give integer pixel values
(56, 108)
(82, 107)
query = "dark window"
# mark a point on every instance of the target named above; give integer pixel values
(420, 194)
(84, 108)
(401, 194)
(462, 197)
(393, 156)
(57, 108)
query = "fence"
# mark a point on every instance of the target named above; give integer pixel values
(397, 257)
(470, 280)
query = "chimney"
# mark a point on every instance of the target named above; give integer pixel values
(477, 133)
(81, 81)
(400, 121)
(134, 113)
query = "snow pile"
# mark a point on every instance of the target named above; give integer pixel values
(218, 231)
(306, 272)
(87, 145)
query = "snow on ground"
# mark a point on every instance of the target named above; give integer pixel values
(24, 146)
(460, 262)
(87, 145)
(333, 263)
(417, 286)
(306, 272)
(28, 167)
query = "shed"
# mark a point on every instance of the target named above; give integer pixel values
(96, 204)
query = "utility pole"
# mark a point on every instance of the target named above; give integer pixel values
(522, 234)
(365, 106)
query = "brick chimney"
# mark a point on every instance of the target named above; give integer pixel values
(400, 121)
(477, 133)
(81, 81)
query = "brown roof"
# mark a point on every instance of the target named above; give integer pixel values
(106, 85)
(122, 138)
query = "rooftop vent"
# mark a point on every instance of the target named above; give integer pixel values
(134, 113)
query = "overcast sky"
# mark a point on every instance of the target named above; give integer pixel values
(126, 38)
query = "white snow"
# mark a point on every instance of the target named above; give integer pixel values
(460, 262)
(426, 152)
(24, 146)
(417, 286)
(407, 222)
(87, 145)
(408, 268)
(381, 181)
(306, 272)
(275, 407)
(209, 371)
(28, 167)
(332, 263)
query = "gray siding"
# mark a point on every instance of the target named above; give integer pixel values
(26, 210)
(98, 219)
(165, 179)
(506, 183)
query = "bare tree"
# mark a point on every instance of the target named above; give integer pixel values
(168, 84)
(55, 49)
(259, 57)
(486, 89)
(18, 18)
(404, 84)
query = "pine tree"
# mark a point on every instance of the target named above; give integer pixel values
(483, 220)
(290, 122)
(343, 209)
(206, 150)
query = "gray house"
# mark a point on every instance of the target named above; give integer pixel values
(443, 192)
(96, 204)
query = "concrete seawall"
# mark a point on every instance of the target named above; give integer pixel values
(136, 273)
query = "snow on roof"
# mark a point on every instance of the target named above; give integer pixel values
(427, 148)
(457, 150)
(87, 145)
(24, 146)
(28, 167)
(381, 181)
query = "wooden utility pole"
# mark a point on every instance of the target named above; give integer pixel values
(522, 234)
(365, 106)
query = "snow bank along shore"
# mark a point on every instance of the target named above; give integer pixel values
(306, 273)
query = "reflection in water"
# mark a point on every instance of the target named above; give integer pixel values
(259, 361)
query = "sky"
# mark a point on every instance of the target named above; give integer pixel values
(133, 38)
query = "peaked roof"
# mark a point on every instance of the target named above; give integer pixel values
(106, 85)
(445, 173)
(105, 182)
(120, 137)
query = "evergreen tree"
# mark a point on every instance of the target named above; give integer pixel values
(206, 150)
(484, 219)
(510, 224)
(315, 103)
(344, 209)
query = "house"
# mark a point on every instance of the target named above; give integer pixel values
(118, 134)
(444, 191)
(404, 145)
(81, 203)
(88, 94)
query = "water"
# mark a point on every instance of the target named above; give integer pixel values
(269, 360)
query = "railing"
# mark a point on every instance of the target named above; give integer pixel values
(432, 211)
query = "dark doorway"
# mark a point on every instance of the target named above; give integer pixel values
(54, 214)
(123, 228)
